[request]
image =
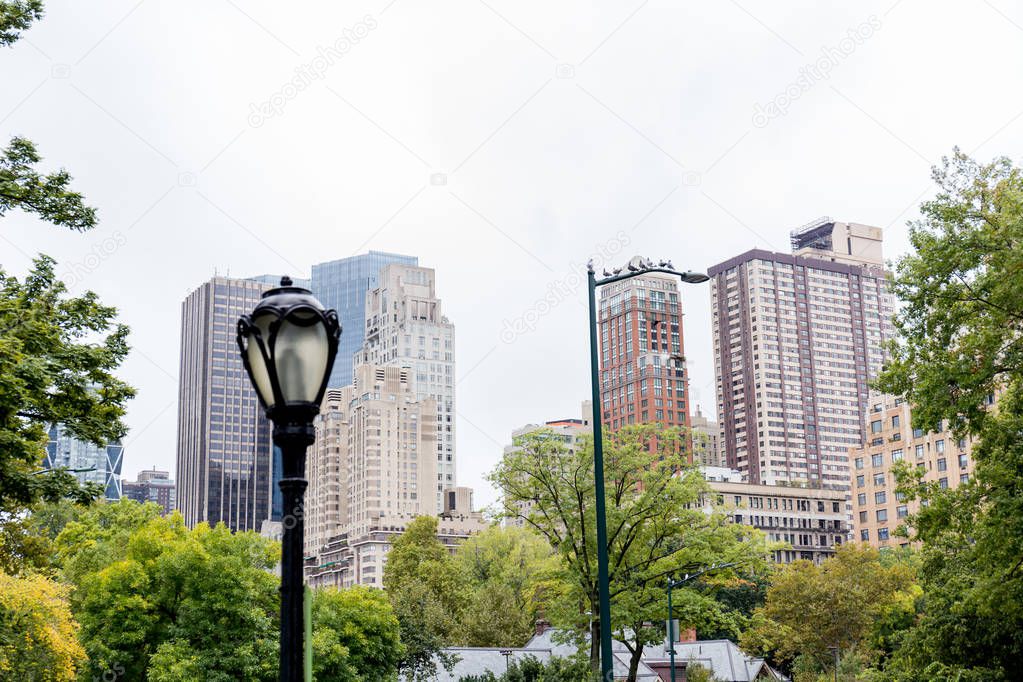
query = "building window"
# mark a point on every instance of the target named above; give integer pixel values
(860, 482)
(963, 478)
(964, 461)
(943, 483)
(859, 462)
(880, 497)
(878, 480)
(901, 511)
(875, 426)
(895, 421)
(877, 460)
(918, 433)
(861, 499)
(882, 534)
(896, 456)
(863, 517)
(882, 514)
(919, 451)
(865, 535)
(939, 446)
(942, 465)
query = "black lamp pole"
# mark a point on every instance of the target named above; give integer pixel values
(637, 266)
(671, 621)
(288, 345)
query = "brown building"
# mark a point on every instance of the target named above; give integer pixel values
(152, 486)
(797, 339)
(643, 376)
(877, 509)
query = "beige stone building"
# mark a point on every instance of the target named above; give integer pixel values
(877, 508)
(706, 441)
(812, 521)
(371, 471)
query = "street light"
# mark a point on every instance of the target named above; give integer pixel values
(635, 267)
(671, 623)
(288, 345)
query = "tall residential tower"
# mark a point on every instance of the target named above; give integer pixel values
(797, 338)
(404, 327)
(342, 285)
(643, 376)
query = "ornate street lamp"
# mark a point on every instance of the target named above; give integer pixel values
(288, 345)
(635, 267)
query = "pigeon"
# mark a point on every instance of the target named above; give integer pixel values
(607, 273)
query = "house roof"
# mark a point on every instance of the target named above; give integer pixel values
(722, 657)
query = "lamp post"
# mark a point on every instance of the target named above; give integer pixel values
(671, 623)
(636, 266)
(288, 345)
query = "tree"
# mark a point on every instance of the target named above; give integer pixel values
(57, 355)
(531, 669)
(657, 527)
(37, 632)
(356, 635)
(48, 196)
(811, 608)
(511, 573)
(161, 601)
(427, 594)
(17, 16)
(960, 344)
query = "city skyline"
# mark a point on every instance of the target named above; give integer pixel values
(505, 175)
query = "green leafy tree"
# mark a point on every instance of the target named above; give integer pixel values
(49, 196)
(657, 527)
(511, 574)
(839, 603)
(531, 669)
(961, 343)
(16, 16)
(428, 596)
(37, 632)
(160, 601)
(356, 635)
(57, 358)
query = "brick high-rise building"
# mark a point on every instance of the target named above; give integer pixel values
(942, 458)
(405, 327)
(224, 451)
(151, 486)
(643, 377)
(797, 338)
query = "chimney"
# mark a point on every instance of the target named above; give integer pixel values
(687, 635)
(542, 626)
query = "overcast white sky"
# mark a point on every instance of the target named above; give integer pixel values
(502, 142)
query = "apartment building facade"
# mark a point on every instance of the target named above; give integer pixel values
(643, 375)
(811, 521)
(797, 339)
(878, 508)
(405, 327)
(706, 438)
(152, 486)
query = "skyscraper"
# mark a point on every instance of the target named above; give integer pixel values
(797, 338)
(224, 449)
(643, 375)
(95, 464)
(151, 486)
(405, 328)
(342, 285)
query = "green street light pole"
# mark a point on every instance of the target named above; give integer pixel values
(637, 266)
(671, 623)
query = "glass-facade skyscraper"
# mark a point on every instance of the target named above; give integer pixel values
(64, 451)
(342, 285)
(224, 457)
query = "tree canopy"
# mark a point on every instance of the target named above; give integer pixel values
(960, 345)
(37, 632)
(660, 523)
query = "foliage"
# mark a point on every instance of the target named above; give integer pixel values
(657, 527)
(531, 669)
(961, 342)
(511, 573)
(48, 196)
(356, 635)
(37, 632)
(697, 673)
(811, 608)
(56, 358)
(26, 540)
(17, 16)
(161, 601)
(427, 594)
